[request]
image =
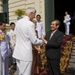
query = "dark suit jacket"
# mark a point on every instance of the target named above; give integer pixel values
(53, 45)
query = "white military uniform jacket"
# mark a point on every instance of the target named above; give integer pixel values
(67, 19)
(25, 37)
(39, 28)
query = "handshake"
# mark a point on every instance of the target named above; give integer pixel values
(44, 41)
(39, 48)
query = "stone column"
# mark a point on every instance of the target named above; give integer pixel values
(1, 8)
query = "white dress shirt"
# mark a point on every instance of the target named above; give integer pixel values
(52, 33)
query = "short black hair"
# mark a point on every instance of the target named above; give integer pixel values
(1, 22)
(38, 15)
(12, 23)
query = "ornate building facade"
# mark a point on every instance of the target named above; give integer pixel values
(23, 4)
(43, 7)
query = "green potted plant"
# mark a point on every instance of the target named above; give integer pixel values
(19, 13)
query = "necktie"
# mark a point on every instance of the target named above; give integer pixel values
(51, 35)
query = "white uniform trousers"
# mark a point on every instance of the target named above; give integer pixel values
(67, 29)
(23, 68)
(4, 66)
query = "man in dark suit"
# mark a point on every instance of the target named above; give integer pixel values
(53, 40)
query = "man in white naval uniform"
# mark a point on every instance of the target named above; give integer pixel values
(4, 50)
(66, 21)
(11, 35)
(25, 37)
(11, 38)
(39, 27)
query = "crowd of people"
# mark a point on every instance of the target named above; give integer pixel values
(24, 40)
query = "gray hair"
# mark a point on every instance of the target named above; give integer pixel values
(57, 22)
(30, 10)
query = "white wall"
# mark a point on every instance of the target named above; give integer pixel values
(23, 4)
